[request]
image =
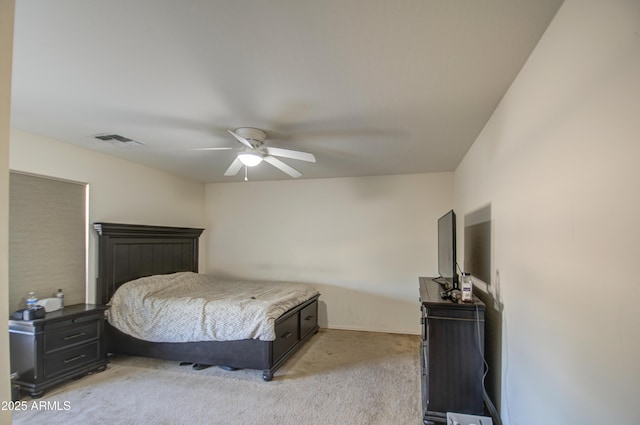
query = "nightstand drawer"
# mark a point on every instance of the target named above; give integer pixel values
(67, 360)
(70, 320)
(69, 336)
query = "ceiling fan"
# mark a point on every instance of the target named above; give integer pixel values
(255, 152)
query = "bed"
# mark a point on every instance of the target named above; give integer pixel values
(129, 252)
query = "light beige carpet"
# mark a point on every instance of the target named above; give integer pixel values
(338, 377)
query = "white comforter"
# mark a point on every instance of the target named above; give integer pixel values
(185, 307)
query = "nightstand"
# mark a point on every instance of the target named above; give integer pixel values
(65, 344)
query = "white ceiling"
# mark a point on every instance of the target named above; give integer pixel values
(370, 87)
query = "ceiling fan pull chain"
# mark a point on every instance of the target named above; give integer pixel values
(245, 173)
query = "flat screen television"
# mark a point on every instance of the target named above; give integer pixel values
(447, 248)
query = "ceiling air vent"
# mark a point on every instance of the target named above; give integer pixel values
(118, 140)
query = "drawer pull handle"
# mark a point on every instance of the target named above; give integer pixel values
(66, 338)
(308, 318)
(286, 335)
(73, 359)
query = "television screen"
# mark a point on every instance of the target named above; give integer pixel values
(447, 248)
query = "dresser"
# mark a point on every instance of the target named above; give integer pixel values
(451, 354)
(65, 344)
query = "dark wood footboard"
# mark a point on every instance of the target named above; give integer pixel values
(293, 329)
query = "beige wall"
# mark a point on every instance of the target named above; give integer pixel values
(6, 48)
(119, 191)
(558, 162)
(362, 241)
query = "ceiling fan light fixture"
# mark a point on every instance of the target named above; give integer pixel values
(250, 159)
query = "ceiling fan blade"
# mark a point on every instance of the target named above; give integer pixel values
(282, 166)
(233, 169)
(208, 149)
(241, 139)
(288, 153)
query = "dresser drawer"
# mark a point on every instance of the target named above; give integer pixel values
(68, 336)
(66, 360)
(286, 335)
(308, 318)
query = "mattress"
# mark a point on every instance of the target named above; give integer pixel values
(190, 307)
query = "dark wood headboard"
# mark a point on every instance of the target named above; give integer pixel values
(130, 251)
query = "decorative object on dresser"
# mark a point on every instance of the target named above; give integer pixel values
(64, 344)
(50, 304)
(128, 252)
(452, 354)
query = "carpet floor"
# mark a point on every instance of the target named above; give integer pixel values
(337, 378)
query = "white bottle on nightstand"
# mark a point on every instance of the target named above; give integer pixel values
(60, 296)
(467, 288)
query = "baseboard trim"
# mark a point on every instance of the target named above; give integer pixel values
(365, 329)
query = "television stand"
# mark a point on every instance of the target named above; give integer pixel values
(451, 354)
